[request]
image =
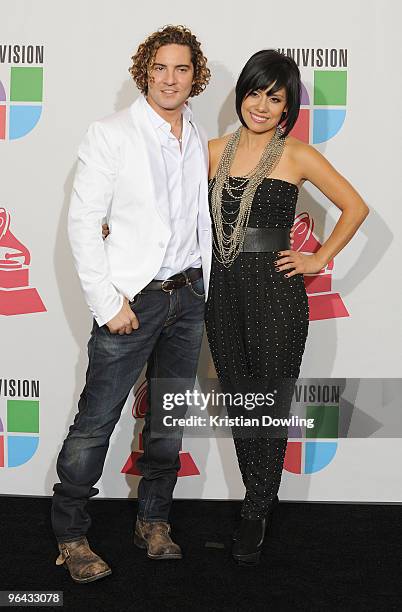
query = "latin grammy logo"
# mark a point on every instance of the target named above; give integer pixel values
(16, 296)
(140, 406)
(323, 304)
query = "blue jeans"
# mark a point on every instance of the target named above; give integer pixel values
(168, 340)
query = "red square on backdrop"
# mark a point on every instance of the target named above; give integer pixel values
(2, 122)
(301, 130)
(293, 457)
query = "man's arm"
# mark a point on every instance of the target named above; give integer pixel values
(90, 200)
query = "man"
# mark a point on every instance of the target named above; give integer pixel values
(145, 170)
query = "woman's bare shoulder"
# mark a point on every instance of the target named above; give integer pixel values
(218, 144)
(216, 147)
(297, 148)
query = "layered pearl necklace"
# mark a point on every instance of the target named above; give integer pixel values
(229, 236)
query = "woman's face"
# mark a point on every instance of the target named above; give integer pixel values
(262, 111)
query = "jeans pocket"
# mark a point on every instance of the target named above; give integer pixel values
(197, 288)
(136, 300)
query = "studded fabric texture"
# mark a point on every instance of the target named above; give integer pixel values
(257, 324)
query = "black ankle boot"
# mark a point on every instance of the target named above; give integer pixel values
(274, 503)
(247, 548)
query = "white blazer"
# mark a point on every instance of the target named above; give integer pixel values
(121, 176)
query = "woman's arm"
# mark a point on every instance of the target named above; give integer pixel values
(315, 168)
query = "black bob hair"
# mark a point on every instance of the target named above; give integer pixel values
(269, 68)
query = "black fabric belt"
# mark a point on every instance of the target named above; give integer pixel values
(176, 281)
(264, 239)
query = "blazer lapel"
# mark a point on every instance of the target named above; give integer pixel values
(153, 152)
(204, 218)
(204, 148)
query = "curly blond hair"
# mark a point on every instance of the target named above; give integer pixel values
(144, 58)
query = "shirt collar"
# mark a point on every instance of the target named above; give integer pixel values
(159, 122)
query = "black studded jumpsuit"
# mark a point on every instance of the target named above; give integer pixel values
(257, 324)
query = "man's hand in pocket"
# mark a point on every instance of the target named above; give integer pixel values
(124, 322)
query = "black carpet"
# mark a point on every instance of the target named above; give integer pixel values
(316, 557)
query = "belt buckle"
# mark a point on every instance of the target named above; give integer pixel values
(164, 288)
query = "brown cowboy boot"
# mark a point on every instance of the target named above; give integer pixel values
(83, 564)
(156, 539)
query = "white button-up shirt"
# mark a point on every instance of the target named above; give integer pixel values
(183, 171)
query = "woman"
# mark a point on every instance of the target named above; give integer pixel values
(257, 310)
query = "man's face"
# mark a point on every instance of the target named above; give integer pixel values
(171, 78)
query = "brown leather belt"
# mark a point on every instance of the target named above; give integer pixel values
(176, 281)
(266, 239)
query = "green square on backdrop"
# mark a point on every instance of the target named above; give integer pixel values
(23, 416)
(326, 420)
(26, 84)
(330, 87)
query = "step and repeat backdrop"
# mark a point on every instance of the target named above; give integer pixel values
(65, 64)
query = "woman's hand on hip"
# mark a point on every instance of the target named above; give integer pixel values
(293, 262)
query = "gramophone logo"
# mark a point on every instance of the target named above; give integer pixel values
(21, 90)
(140, 406)
(323, 303)
(16, 296)
(19, 432)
